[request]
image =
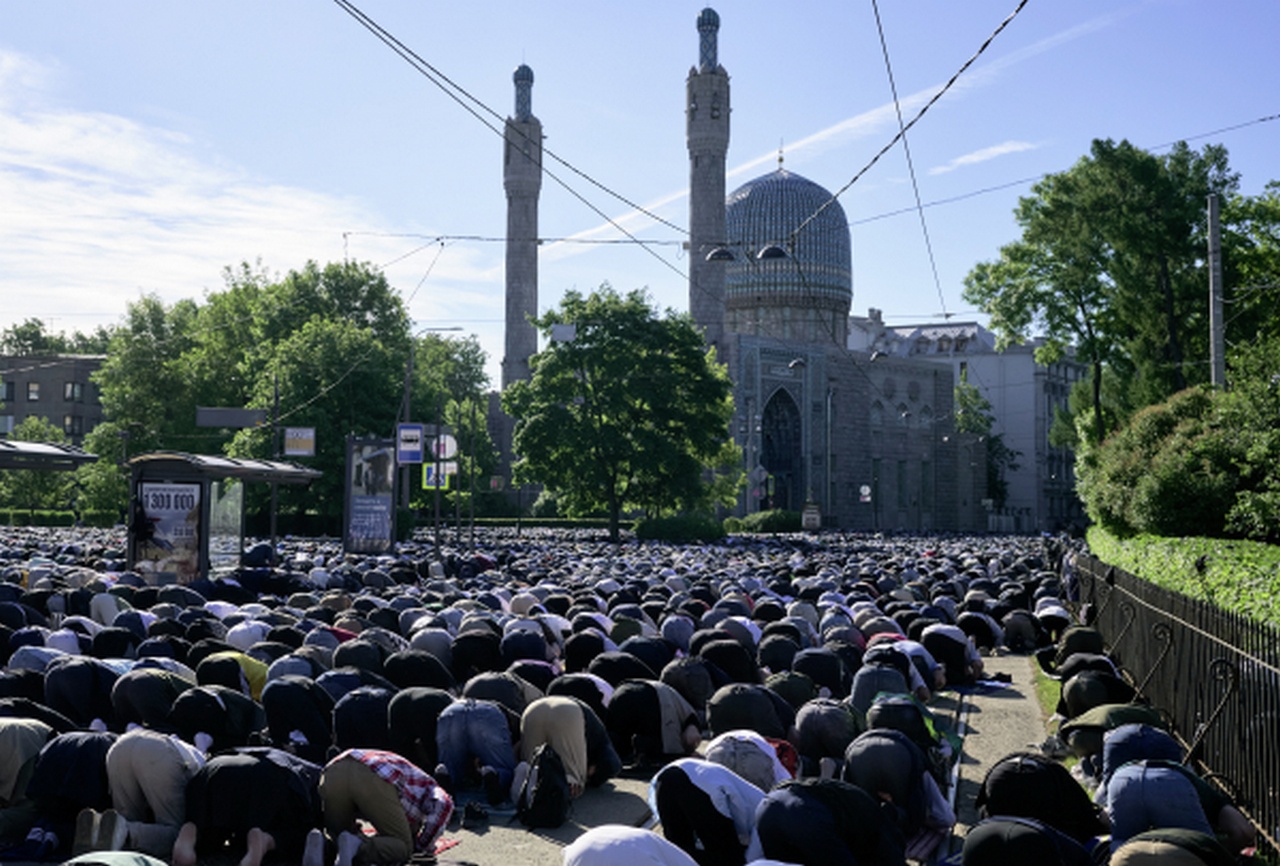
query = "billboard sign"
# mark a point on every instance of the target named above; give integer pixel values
(369, 522)
(169, 540)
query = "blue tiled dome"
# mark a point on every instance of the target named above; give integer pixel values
(818, 270)
(522, 74)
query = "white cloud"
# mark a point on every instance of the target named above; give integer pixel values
(96, 209)
(984, 155)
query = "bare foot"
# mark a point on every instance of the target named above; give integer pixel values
(184, 847)
(258, 843)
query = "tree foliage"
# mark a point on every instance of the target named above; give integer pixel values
(1111, 264)
(31, 338)
(1203, 463)
(631, 413)
(326, 345)
(37, 489)
(973, 415)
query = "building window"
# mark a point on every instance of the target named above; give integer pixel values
(6, 425)
(73, 392)
(8, 392)
(72, 425)
(33, 392)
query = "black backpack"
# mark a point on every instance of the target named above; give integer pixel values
(544, 797)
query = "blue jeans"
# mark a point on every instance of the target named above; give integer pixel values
(472, 729)
(1141, 797)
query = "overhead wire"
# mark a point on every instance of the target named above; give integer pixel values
(911, 167)
(903, 130)
(461, 96)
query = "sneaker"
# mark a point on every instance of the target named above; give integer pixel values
(313, 853)
(492, 786)
(348, 845)
(86, 832)
(474, 816)
(113, 831)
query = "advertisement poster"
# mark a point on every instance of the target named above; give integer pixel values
(168, 534)
(371, 476)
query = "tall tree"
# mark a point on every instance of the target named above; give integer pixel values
(32, 338)
(146, 386)
(630, 411)
(1110, 262)
(338, 378)
(36, 489)
(973, 415)
(1251, 265)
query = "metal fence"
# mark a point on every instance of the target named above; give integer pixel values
(1216, 675)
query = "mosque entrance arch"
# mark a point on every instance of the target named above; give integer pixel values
(781, 451)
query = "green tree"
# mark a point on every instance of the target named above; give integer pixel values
(31, 338)
(37, 489)
(338, 378)
(333, 340)
(1251, 266)
(104, 483)
(145, 383)
(630, 412)
(1110, 262)
(973, 416)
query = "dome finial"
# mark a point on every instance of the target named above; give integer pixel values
(523, 78)
(708, 26)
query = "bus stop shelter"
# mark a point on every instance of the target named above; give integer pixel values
(41, 455)
(187, 511)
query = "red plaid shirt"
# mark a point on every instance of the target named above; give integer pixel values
(427, 805)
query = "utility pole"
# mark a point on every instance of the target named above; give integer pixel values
(407, 418)
(435, 450)
(275, 454)
(1217, 328)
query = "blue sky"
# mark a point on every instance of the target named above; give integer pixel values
(146, 145)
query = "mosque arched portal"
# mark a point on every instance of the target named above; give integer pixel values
(781, 452)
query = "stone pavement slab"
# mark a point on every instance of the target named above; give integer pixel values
(994, 724)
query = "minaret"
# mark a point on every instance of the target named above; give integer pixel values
(707, 134)
(522, 179)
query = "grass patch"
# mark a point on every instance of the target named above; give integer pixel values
(1047, 692)
(1238, 576)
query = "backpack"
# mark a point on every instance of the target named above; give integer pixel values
(544, 797)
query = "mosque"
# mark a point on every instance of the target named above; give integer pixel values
(858, 440)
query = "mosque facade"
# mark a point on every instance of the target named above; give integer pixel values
(863, 442)
(856, 440)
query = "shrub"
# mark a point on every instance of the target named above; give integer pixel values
(680, 527)
(1171, 471)
(775, 520)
